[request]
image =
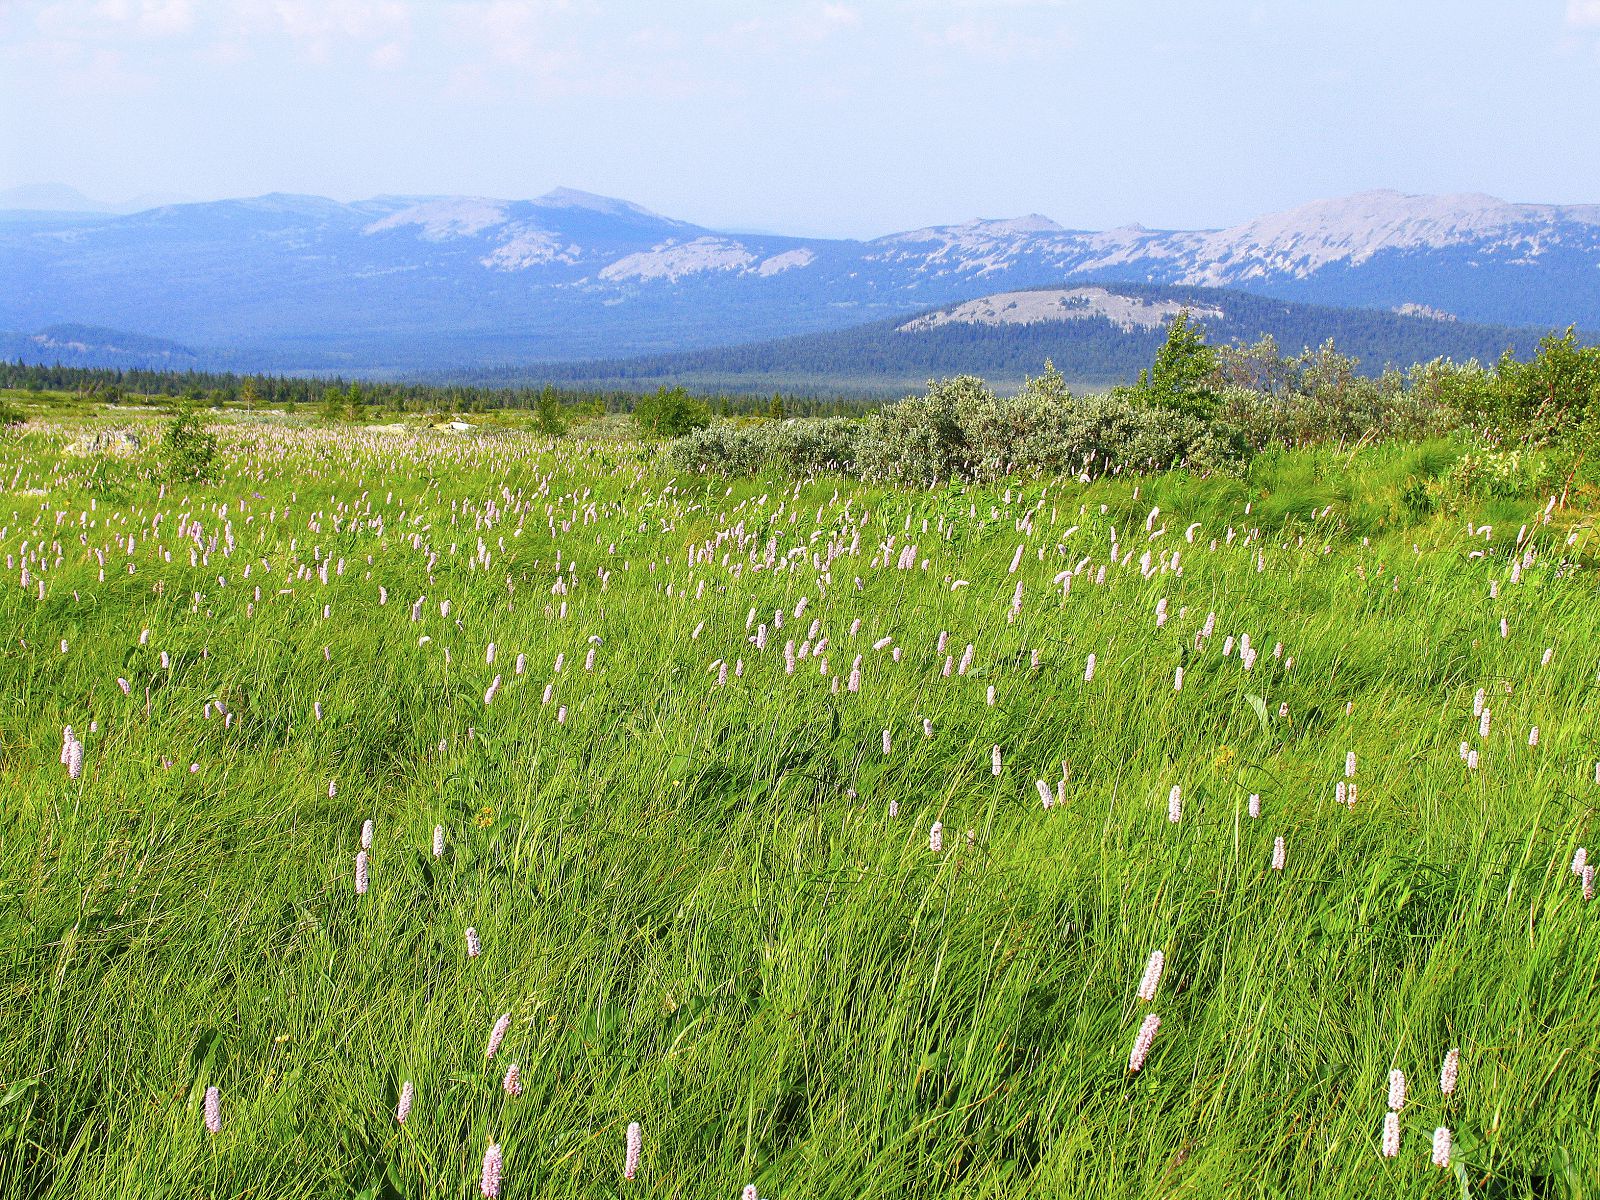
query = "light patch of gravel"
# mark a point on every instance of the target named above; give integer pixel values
(1060, 304)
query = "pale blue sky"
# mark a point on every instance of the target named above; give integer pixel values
(820, 117)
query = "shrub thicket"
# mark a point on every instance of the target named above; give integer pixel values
(797, 447)
(1554, 395)
(960, 429)
(1319, 397)
(670, 412)
(1205, 408)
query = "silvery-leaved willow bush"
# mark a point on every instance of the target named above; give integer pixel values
(936, 832)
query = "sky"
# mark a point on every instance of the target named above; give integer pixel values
(848, 118)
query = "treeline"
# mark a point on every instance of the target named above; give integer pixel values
(337, 397)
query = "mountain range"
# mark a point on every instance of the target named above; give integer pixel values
(58, 197)
(396, 285)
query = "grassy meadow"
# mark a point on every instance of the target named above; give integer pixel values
(690, 744)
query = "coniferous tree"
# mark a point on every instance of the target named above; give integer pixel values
(1183, 376)
(332, 408)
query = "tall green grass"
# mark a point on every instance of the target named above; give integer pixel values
(693, 899)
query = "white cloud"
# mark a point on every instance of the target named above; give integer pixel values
(837, 16)
(791, 24)
(95, 70)
(166, 18)
(358, 19)
(1583, 14)
(388, 57)
(105, 20)
(226, 53)
(512, 32)
(988, 40)
(72, 20)
(983, 5)
(317, 26)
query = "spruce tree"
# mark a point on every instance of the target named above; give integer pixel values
(1183, 377)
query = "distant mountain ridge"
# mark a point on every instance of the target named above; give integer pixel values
(1095, 335)
(408, 283)
(89, 346)
(58, 197)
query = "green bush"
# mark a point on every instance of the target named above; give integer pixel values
(811, 447)
(1460, 393)
(1207, 409)
(1096, 433)
(960, 430)
(722, 449)
(10, 415)
(921, 440)
(1029, 433)
(190, 450)
(1318, 396)
(795, 447)
(1553, 394)
(670, 413)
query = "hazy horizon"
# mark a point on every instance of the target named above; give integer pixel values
(839, 118)
(97, 205)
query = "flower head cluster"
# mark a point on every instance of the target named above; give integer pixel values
(1151, 979)
(1397, 1090)
(1391, 1134)
(497, 1035)
(1142, 1043)
(635, 1144)
(489, 1180)
(213, 1108)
